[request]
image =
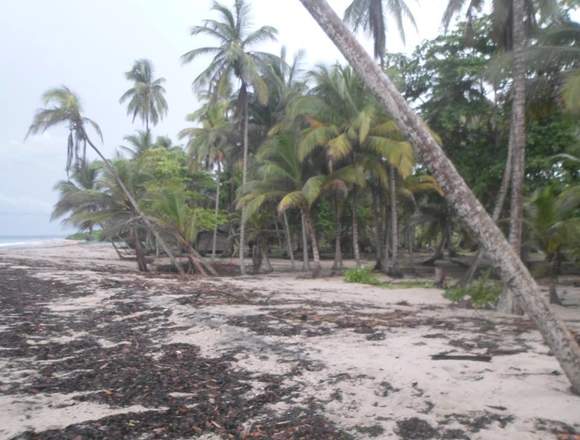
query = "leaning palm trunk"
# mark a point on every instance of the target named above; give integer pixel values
(514, 273)
(315, 254)
(135, 206)
(507, 302)
(217, 210)
(355, 243)
(289, 241)
(394, 269)
(497, 210)
(305, 261)
(244, 98)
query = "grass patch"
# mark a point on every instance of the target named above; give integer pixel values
(361, 275)
(483, 292)
(364, 275)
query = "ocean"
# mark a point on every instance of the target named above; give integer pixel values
(27, 240)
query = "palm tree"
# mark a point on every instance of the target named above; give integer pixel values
(370, 16)
(171, 211)
(288, 181)
(514, 273)
(207, 145)
(510, 19)
(345, 122)
(146, 99)
(138, 143)
(234, 58)
(71, 201)
(64, 107)
(554, 228)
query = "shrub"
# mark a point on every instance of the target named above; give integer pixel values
(362, 275)
(482, 292)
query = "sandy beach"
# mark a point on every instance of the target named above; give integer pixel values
(92, 349)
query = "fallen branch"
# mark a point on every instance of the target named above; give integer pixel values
(461, 357)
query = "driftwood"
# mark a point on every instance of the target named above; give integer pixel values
(461, 357)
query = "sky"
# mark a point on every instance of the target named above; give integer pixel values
(88, 45)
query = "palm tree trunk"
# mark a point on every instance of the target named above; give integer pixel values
(378, 226)
(265, 257)
(244, 102)
(386, 264)
(217, 210)
(507, 303)
(135, 206)
(355, 244)
(394, 269)
(117, 250)
(313, 241)
(139, 255)
(554, 272)
(305, 260)
(337, 265)
(514, 273)
(497, 209)
(289, 241)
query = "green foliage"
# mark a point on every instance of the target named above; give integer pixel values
(483, 292)
(97, 235)
(361, 275)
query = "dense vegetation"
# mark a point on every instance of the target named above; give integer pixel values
(291, 160)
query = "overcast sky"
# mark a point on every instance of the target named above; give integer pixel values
(88, 45)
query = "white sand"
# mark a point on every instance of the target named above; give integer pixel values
(358, 382)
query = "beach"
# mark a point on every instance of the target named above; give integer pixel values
(92, 349)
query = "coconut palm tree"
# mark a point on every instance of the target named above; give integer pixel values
(514, 273)
(71, 201)
(63, 107)
(371, 17)
(512, 21)
(288, 181)
(146, 99)
(234, 58)
(137, 144)
(344, 121)
(172, 212)
(207, 145)
(554, 228)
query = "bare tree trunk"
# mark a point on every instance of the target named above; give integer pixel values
(355, 244)
(305, 260)
(315, 254)
(217, 211)
(507, 303)
(244, 98)
(514, 273)
(497, 209)
(337, 265)
(289, 241)
(394, 269)
(135, 206)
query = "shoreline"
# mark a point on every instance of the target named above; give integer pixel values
(90, 348)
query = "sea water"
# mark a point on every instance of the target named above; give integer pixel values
(27, 240)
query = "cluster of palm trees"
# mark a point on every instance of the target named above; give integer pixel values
(285, 143)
